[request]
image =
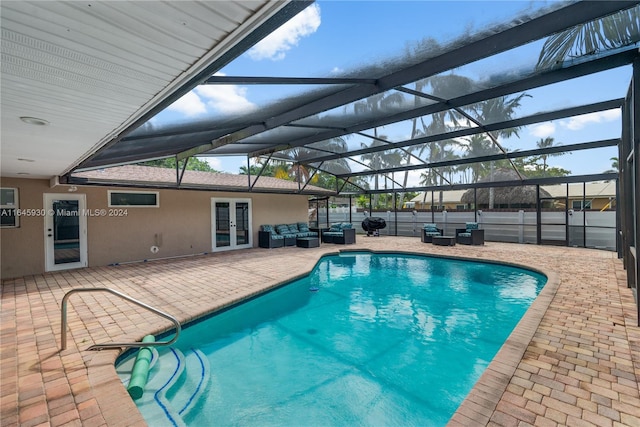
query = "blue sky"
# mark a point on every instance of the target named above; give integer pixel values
(330, 37)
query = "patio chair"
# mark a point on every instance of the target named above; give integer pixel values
(268, 238)
(428, 231)
(470, 235)
(340, 233)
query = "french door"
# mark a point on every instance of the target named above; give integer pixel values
(65, 231)
(231, 224)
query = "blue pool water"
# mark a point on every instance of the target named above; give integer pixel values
(365, 339)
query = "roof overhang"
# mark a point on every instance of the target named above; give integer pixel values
(95, 71)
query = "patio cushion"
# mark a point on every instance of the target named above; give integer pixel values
(471, 225)
(332, 233)
(283, 229)
(335, 227)
(430, 227)
(432, 233)
(464, 234)
(268, 228)
(303, 227)
(293, 228)
(346, 225)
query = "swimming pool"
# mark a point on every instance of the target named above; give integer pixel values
(368, 339)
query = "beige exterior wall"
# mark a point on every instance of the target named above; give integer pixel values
(22, 248)
(180, 226)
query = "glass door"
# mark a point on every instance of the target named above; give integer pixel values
(65, 231)
(231, 224)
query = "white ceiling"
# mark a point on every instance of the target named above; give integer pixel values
(92, 68)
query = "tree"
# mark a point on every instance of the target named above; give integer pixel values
(614, 166)
(546, 143)
(378, 160)
(254, 170)
(371, 107)
(479, 145)
(610, 32)
(492, 111)
(302, 172)
(193, 164)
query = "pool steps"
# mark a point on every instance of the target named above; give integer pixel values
(177, 382)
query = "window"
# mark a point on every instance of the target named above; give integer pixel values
(134, 199)
(8, 206)
(577, 204)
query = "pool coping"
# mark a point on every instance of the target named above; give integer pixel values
(475, 410)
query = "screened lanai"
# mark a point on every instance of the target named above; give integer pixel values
(438, 109)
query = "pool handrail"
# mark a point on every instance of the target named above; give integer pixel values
(63, 337)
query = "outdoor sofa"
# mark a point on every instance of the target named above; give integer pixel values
(341, 233)
(470, 235)
(277, 236)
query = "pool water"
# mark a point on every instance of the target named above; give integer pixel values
(364, 339)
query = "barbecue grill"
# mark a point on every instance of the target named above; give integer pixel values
(372, 225)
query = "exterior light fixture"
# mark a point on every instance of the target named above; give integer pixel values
(34, 121)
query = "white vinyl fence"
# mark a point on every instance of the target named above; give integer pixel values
(592, 229)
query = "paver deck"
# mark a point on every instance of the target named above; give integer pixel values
(574, 359)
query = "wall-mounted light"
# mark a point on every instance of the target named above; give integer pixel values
(34, 121)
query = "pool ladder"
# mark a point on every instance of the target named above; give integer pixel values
(63, 337)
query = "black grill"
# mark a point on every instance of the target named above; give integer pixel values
(372, 224)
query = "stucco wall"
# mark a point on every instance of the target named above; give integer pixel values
(180, 226)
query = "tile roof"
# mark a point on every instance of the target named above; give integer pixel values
(164, 177)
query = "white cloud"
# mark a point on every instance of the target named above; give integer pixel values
(189, 104)
(543, 130)
(579, 122)
(276, 44)
(226, 99)
(214, 162)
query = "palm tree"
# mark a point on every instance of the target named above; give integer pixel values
(614, 166)
(610, 32)
(495, 110)
(546, 143)
(378, 160)
(378, 102)
(301, 172)
(478, 145)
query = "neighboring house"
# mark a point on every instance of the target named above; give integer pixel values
(450, 200)
(47, 226)
(597, 196)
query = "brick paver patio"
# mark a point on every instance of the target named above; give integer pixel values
(574, 359)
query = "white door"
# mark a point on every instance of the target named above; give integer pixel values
(231, 224)
(65, 231)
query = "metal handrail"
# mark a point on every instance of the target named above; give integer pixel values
(116, 345)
